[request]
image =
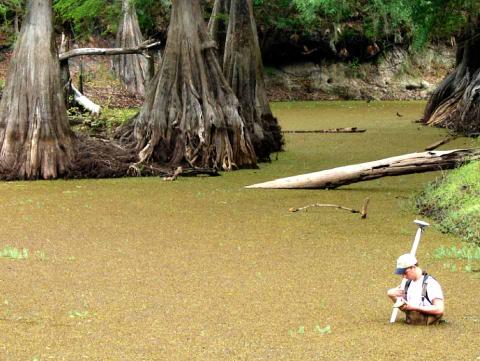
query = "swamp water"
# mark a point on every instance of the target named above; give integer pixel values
(204, 269)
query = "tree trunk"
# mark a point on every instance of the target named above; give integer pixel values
(35, 140)
(191, 115)
(394, 166)
(243, 68)
(455, 104)
(132, 70)
(218, 24)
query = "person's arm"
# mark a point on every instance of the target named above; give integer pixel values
(395, 293)
(437, 308)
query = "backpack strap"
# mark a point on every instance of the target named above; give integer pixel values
(406, 287)
(426, 276)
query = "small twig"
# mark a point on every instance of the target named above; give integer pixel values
(364, 208)
(363, 211)
(324, 205)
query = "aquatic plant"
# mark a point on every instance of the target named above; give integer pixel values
(78, 314)
(14, 253)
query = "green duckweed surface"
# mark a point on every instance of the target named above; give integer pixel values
(204, 269)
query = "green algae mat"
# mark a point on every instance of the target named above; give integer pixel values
(204, 269)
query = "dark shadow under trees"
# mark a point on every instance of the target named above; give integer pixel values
(243, 68)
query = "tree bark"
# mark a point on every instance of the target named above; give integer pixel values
(243, 68)
(35, 140)
(394, 166)
(132, 70)
(455, 104)
(191, 115)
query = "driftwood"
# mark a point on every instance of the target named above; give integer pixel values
(363, 211)
(394, 166)
(333, 130)
(190, 172)
(69, 90)
(141, 49)
(441, 142)
(86, 103)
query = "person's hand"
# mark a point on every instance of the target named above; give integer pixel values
(407, 307)
(398, 292)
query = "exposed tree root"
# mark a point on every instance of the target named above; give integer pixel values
(104, 158)
(99, 158)
(455, 104)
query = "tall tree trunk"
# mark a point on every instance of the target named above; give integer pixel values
(243, 68)
(35, 140)
(218, 24)
(191, 115)
(455, 104)
(131, 69)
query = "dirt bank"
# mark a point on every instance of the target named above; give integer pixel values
(396, 75)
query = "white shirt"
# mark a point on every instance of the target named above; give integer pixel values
(414, 292)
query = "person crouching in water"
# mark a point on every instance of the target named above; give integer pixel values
(422, 300)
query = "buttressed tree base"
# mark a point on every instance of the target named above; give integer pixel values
(191, 115)
(35, 140)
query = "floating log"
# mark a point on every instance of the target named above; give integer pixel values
(333, 130)
(441, 142)
(394, 166)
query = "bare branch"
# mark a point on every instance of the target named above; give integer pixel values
(363, 211)
(141, 49)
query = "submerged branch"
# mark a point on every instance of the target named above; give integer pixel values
(333, 130)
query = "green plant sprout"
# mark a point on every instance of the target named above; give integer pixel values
(78, 314)
(14, 253)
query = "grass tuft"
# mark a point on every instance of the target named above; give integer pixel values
(454, 202)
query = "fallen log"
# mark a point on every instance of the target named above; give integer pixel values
(70, 91)
(143, 48)
(333, 130)
(394, 166)
(86, 103)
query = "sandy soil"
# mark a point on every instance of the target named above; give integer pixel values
(203, 269)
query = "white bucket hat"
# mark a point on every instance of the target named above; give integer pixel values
(404, 261)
